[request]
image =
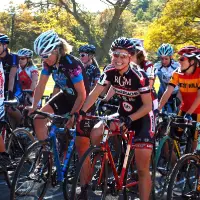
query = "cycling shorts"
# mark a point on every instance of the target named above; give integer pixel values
(62, 103)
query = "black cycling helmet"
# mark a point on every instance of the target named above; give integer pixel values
(123, 43)
(4, 39)
(88, 48)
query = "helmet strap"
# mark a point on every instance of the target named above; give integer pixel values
(187, 68)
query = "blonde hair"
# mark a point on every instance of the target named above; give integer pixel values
(65, 47)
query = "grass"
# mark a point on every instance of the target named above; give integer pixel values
(50, 85)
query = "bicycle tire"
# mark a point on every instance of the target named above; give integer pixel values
(163, 166)
(189, 159)
(16, 143)
(45, 175)
(93, 152)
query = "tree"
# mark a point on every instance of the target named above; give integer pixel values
(82, 18)
(179, 25)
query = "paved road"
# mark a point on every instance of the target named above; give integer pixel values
(52, 193)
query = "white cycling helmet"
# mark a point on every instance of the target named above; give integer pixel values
(165, 50)
(25, 52)
(46, 42)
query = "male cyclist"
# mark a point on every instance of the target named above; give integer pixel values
(164, 70)
(10, 64)
(187, 77)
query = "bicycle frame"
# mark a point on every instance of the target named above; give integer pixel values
(52, 137)
(108, 156)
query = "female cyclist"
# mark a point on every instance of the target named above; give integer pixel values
(187, 77)
(132, 87)
(27, 78)
(148, 68)
(164, 69)
(86, 53)
(68, 74)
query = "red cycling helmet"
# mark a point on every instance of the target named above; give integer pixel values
(190, 51)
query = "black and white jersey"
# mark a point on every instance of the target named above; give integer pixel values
(128, 87)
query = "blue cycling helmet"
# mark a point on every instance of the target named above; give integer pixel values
(165, 50)
(4, 39)
(123, 43)
(88, 48)
(25, 52)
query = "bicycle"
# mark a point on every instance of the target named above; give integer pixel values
(16, 142)
(169, 148)
(184, 180)
(25, 183)
(96, 178)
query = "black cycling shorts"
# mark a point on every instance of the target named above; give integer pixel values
(144, 130)
(62, 103)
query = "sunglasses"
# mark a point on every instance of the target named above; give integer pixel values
(117, 54)
(22, 58)
(83, 54)
(182, 58)
(46, 56)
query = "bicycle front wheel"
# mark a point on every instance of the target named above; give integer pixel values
(184, 178)
(27, 181)
(91, 177)
(18, 143)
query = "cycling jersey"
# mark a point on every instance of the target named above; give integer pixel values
(147, 66)
(189, 86)
(2, 78)
(129, 87)
(69, 72)
(9, 61)
(164, 74)
(93, 74)
(24, 76)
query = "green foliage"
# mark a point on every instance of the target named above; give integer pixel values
(178, 25)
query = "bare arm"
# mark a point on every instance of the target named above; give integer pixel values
(34, 81)
(81, 96)
(12, 74)
(166, 96)
(110, 94)
(195, 103)
(151, 82)
(92, 97)
(144, 109)
(39, 90)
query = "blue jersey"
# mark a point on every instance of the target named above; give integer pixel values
(93, 74)
(69, 72)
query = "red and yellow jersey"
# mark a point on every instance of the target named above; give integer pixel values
(188, 86)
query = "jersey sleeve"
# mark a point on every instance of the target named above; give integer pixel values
(45, 69)
(150, 70)
(174, 79)
(75, 73)
(15, 60)
(97, 74)
(105, 78)
(143, 84)
(34, 70)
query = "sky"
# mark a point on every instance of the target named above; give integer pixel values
(91, 5)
